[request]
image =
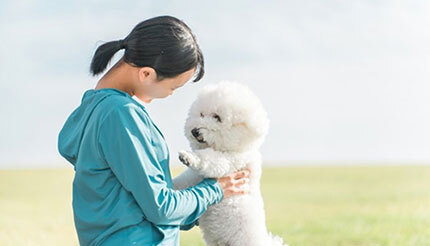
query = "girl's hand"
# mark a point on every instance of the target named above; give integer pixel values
(235, 183)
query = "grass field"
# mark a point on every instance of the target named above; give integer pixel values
(354, 205)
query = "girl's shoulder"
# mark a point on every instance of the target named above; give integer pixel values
(109, 99)
(122, 108)
(117, 102)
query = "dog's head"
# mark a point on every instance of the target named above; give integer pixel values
(226, 116)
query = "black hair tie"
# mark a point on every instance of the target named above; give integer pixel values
(122, 44)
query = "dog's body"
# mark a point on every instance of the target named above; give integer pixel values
(225, 135)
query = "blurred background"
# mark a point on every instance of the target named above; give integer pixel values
(341, 81)
(345, 83)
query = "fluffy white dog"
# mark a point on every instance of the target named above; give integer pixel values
(225, 127)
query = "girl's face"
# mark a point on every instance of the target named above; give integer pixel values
(150, 88)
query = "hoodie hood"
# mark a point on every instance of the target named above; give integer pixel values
(71, 135)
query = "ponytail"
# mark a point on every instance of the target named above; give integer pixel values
(103, 55)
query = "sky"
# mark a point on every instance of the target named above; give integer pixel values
(342, 81)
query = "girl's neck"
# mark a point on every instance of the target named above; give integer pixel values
(118, 77)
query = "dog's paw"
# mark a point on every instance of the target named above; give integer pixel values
(188, 158)
(183, 158)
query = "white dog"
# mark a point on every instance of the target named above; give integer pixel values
(225, 127)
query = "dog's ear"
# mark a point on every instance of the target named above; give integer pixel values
(258, 125)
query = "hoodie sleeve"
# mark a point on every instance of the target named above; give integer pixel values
(125, 142)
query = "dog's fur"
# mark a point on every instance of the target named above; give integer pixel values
(225, 127)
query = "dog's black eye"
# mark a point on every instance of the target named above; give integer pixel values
(217, 117)
(201, 115)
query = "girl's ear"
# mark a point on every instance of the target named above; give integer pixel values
(147, 74)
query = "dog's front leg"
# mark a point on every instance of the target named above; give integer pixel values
(190, 159)
(207, 162)
(187, 178)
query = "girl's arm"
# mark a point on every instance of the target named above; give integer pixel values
(125, 144)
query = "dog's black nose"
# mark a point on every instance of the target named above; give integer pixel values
(195, 132)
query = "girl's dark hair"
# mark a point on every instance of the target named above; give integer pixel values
(164, 43)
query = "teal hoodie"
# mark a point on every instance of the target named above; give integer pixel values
(122, 190)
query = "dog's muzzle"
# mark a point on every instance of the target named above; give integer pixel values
(196, 134)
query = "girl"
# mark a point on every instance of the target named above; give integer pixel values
(123, 191)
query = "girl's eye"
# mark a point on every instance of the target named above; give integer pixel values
(217, 117)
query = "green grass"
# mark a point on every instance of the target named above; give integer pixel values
(380, 205)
